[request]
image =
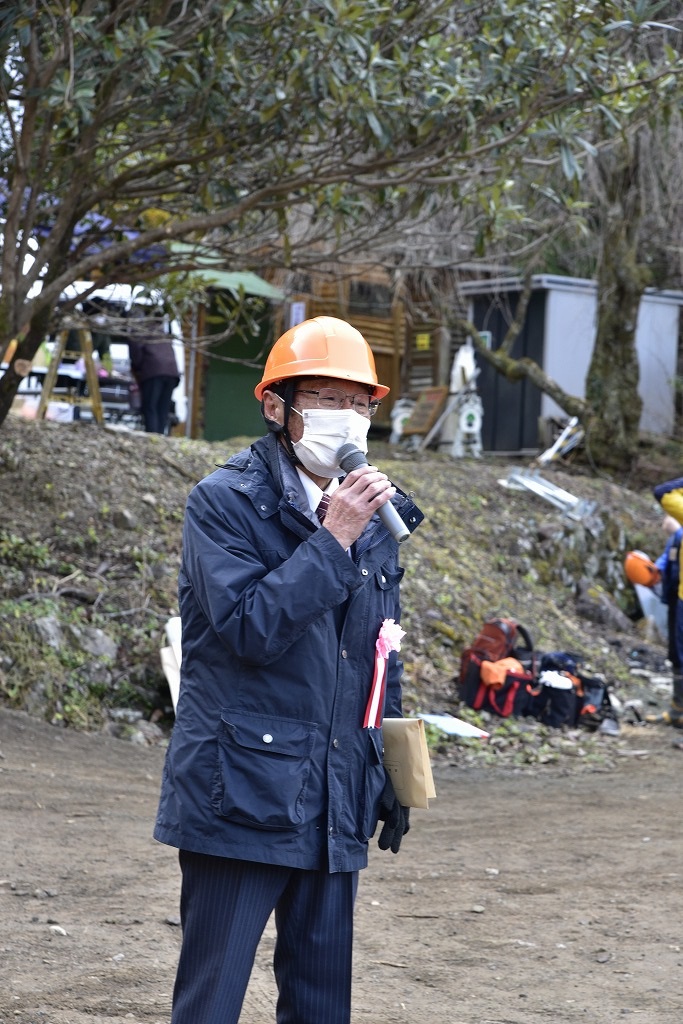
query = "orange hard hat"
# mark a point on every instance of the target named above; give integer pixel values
(321, 347)
(641, 569)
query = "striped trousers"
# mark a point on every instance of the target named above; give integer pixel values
(225, 905)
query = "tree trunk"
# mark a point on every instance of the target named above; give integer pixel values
(20, 363)
(612, 381)
(613, 374)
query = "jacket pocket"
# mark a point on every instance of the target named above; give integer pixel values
(375, 777)
(263, 768)
(388, 579)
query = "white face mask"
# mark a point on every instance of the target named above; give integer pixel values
(324, 434)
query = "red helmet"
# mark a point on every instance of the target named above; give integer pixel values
(641, 569)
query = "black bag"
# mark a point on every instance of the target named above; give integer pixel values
(557, 700)
(555, 706)
(586, 702)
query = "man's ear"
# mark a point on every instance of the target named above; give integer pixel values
(273, 408)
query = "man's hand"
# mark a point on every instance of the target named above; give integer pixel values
(396, 819)
(355, 501)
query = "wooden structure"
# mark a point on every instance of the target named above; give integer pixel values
(220, 377)
(428, 408)
(74, 396)
(363, 299)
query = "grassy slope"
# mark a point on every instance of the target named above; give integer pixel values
(91, 534)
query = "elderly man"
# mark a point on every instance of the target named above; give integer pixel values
(274, 782)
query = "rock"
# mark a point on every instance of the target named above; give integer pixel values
(151, 732)
(94, 641)
(123, 519)
(129, 715)
(595, 604)
(145, 734)
(49, 630)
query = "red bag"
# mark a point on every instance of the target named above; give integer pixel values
(508, 692)
(498, 639)
(514, 696)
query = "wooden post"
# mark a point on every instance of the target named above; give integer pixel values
(94, 399)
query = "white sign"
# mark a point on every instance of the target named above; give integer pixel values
(297, 313)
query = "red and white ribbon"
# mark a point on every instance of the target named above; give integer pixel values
(389, 639)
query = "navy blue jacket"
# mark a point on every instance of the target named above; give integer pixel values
(269, 760)
(668, 565)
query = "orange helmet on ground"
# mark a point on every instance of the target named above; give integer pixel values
(641, 569)
(322, 347)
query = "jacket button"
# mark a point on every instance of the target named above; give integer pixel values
(364, 572)
(335, 743)
(267, 738)
(344, 654)
(264, 508)
(384, 579)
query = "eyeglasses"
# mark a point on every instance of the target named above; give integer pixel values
(331, 398)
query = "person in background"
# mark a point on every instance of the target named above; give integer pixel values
(274, 783)
(670, 497)
(155, 369)
(668, 564)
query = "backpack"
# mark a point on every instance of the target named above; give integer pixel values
(497, 639)
(509, 692)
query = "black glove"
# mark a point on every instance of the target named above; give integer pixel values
(395, 818)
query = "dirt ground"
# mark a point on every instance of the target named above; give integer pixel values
(518, 897)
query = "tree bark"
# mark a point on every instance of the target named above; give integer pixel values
(27, 346)
(517, 369)
(613, 375)
(612, 381)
